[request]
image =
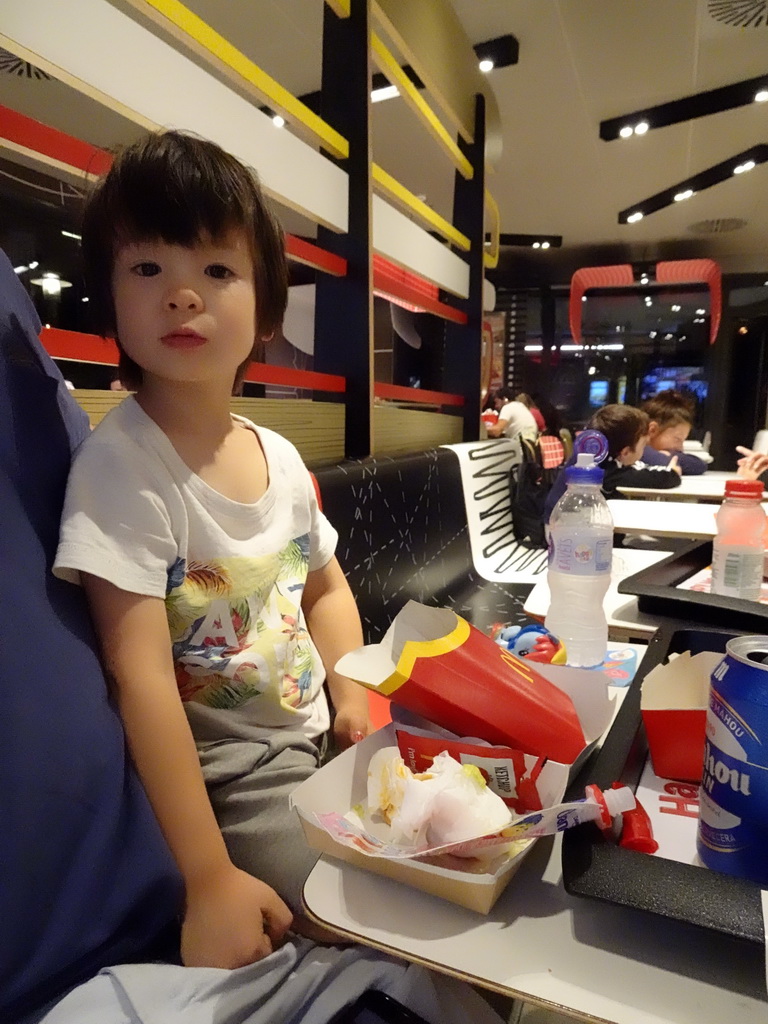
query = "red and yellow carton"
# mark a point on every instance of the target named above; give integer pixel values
(435, 664)
(673, 703)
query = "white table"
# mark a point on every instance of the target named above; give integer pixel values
(625, 620)
(589, 960)
(709, 486)
(663, 518)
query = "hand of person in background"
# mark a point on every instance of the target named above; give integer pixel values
(672, 464)
(752, 465)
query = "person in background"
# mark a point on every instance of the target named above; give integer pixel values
(553, 421)
(209, 568)
(626, 430)
(514, 417)
(528, 402)
(670, 416)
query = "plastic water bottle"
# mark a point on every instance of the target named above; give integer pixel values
(580, 553)
(737, 557)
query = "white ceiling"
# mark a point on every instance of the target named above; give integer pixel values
(581, 61)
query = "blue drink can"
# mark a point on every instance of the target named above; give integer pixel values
(733, 801)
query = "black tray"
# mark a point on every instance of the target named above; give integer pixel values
(657, 593)
(598, 869)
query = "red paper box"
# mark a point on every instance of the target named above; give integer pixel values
(674, 704)
(437, 665)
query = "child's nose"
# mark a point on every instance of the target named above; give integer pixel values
(184, 298)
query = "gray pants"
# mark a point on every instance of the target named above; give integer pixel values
(249, 783)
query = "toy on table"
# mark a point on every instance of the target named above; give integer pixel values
(533, 642)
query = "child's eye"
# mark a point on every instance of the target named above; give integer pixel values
(219, 271)
(146, 269)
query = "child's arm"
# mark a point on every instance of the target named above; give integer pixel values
(231, 919)
(334, 625)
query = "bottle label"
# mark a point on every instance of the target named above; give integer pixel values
(584, 553)
(737, 572)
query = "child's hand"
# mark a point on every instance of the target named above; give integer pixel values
(231, 920)
(752, 465)
(672, 464)
(351, 724)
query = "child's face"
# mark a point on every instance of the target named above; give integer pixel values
(186, 314)
(670, 439)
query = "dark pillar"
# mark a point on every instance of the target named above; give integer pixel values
(463, 342)
(344, 306)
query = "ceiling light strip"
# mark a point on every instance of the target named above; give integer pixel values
(688, 108)
(491, 256)
(698, 183)
(390, 68)
(278, 97)
(386, 183)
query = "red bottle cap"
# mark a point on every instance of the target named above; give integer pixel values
(743, 489)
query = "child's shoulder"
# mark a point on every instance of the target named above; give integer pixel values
(271, 440)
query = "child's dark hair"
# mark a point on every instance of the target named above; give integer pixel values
(623, 426)
(179, 189)
(669, 408)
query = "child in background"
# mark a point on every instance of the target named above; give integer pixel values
(209, 568)
(670, 417)
(626, 430)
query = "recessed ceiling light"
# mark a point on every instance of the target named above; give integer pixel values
(668, 337)
(71, 234)
(634, 217)
(278, 121)
(686, 194)
(486, 65)
(537, 245)
(761, 96)
(652, 334)
(84, 298)
(641, 127)
(644, 279)
(545, 245)
(626, 131)
(742, 168)
(675, 309)
(584, 297)
(387, 92)
(700, 312)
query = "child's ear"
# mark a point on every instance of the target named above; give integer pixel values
(653, 428)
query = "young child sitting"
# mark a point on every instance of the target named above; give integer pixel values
(209, 568)
(670, 417)
(626, 430)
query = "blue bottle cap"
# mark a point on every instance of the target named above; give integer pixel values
(585, 470)
(591, 442)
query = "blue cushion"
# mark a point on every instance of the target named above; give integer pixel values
(86, 878)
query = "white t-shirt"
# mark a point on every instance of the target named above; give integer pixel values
(232, 575)
(520, 419)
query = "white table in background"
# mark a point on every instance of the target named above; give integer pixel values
(625, 620)
(707, 487)
(663, 518)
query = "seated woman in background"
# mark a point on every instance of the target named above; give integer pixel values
(670, 416)
(529, 403)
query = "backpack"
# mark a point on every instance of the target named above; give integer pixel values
(529, 485)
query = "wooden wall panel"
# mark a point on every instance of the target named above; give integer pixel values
(399, 431)
(316, 428)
